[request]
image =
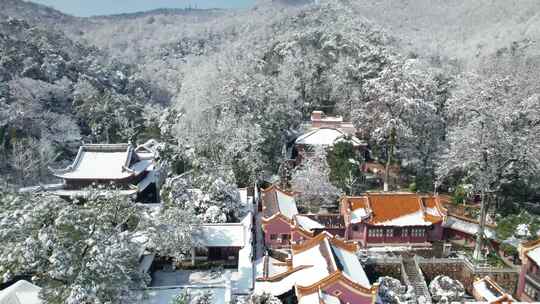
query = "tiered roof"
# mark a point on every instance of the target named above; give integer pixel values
(278, 202)
(315, 264)
(108, 162)
(394, 209)
(307, 224)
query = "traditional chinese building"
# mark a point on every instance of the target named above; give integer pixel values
(307, 226)
(529, 279)
(486, 290)
(323, 269)
(325, 137)
(278, 209)
(133, 171)
(457, 227)
(319, 120)
(392, 218)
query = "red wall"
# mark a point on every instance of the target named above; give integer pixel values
(396, 239)
(347, 296)
(276, 226)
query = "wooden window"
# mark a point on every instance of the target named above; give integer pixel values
(355, 228)
(404, 232)
(389, 232)
(417, 232)
(285, 237)
(273, 237)
(530, 291)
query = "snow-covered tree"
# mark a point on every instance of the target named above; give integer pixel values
(312, 181)
(344, 165)
(171, 233)
(493, 137)
(390, 105)
(264, 298)
(79, 252)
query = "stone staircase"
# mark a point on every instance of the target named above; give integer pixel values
(416, 280)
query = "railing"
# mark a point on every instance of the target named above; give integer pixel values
(466, 262)
(427, 295)
(534, 279)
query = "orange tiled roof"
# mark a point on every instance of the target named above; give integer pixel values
(386, 206)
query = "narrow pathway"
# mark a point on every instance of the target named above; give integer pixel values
(259, 242)
(416, 279)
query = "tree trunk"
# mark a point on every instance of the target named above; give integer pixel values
(391, 145)
(477, 255)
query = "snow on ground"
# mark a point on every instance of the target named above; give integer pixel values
(187, 277)
(243, 279)
(164, 295)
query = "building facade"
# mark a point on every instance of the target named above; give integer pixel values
(529, 280)
(131, 171)
(278, 209)
(323, 269)
(389, 218)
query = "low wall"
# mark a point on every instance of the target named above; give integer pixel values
(376, 268)
(463, 271)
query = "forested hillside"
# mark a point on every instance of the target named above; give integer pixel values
(203, 79)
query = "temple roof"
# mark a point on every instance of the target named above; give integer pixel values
(325, 137)
(394, 209)
(315, 263)
(108, 162)
(276, 201)
(22, 292)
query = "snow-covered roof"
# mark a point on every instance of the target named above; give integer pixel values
(22, 292)
(468, 227)
(86, 193)
(325, 137)
(307, 223)
(318, 264)
(351, 265)
(106, 162)
(487, 290)
(394, 209)
(277, 287)
(287, 204)
(221, 235)
(412, 219)
(534, 255)
(276, 201)
(325, 255)
(313, 262)
(359, 215)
